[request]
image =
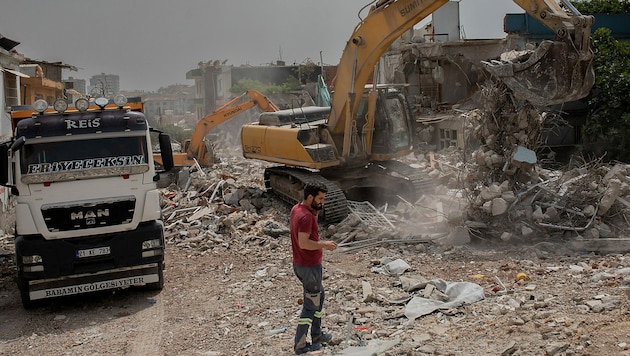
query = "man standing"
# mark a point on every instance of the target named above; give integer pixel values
(307, 265)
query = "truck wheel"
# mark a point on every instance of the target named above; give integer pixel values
(160, 283)
(24, 294)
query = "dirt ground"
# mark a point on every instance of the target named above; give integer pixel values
(223, 302)
(229, 293)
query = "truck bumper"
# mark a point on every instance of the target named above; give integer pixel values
(52, 268)
(85, 283)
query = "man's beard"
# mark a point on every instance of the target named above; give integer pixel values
(317, 207)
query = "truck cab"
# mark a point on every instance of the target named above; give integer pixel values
(88, 214)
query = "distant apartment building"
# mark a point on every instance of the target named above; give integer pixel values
(9, 95)
(103, 84)
(170, 105)
(44, 81)
(10, 85)
(77, 84)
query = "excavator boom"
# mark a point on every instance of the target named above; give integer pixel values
(386, 21)
(196, 148)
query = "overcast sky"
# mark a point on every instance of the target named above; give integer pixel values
(153, 43)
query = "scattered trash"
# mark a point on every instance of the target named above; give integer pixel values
(521, 277)
(276, 331)
(458, 293)
(396, 267)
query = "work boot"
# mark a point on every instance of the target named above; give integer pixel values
(305, 350)
(322, 339)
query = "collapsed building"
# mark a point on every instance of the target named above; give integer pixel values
(504, 153)
(495, 157)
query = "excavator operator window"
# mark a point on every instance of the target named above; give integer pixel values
(399, 124)
(392, 129)
(382, 127)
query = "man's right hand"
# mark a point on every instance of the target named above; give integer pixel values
(329, 245)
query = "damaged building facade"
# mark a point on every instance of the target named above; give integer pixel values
(445, 75)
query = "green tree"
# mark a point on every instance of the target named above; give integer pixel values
(176, 133)
(246, 84)
(305, 71)
(608, 125)
(603, 6)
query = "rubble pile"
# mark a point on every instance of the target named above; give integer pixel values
(496, 194)
(222, 208)
(509, 192)
(405, 280)
(227, 205)
(387, 288)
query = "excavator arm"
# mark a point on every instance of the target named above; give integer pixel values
(558, 71)
(196, 148)
(386, 21)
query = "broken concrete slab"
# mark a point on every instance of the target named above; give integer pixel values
(608, 245)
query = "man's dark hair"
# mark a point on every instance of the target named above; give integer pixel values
(314, 188)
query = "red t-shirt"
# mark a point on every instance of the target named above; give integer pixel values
(303, 220)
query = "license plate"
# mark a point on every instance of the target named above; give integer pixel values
(91, 252)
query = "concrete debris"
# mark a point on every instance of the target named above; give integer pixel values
(512, 195)
(388, 269)
(410, 284)
(374, 347)
(440, 294)
(458, 236)
(509, 197)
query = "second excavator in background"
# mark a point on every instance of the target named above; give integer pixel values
(353, 145)
(197, 150)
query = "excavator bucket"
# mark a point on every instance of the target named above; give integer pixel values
(554, 73)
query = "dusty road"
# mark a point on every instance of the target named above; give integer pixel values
(229, 281)
(222, 301)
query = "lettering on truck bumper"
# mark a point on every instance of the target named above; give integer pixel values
(92, 282)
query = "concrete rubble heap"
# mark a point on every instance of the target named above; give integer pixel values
(496, 186)
(509, 191)
(226, 210)
(404, 280)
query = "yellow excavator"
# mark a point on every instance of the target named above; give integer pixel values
(352, 145)
(196, 148)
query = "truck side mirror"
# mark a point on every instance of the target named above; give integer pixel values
(4, 163)
(18, 143)
(6, 150)
(166, 151)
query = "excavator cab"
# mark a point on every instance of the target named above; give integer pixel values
(558, 70)
(393, 126)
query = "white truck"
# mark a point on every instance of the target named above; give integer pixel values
(88, 215)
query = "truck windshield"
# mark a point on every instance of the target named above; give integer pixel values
(80, 159)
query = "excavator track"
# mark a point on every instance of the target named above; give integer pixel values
(288, 183)
(421, 182)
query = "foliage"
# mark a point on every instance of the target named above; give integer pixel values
(305, 71)
(176, 133)
(609, 121)
(602, 6)
(245, 84)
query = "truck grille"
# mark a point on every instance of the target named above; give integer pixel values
(89, 214)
